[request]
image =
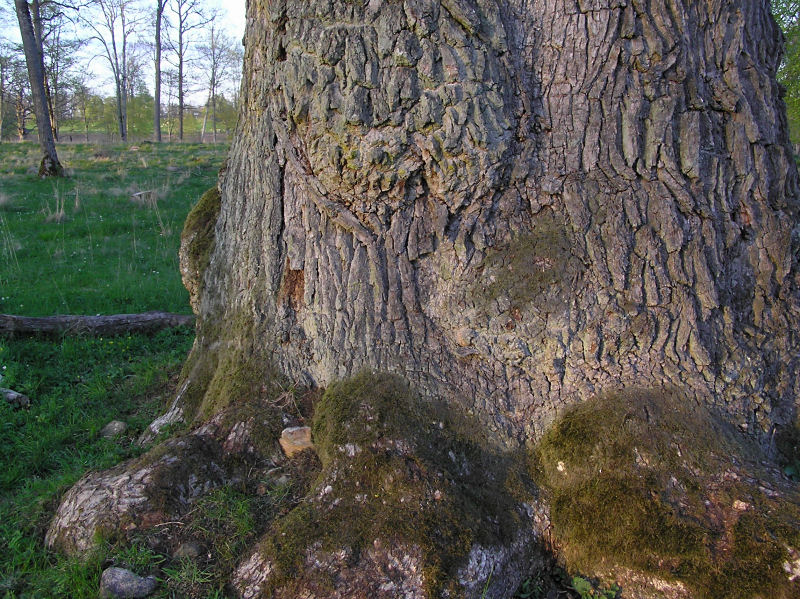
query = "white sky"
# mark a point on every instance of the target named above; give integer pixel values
(232, 13)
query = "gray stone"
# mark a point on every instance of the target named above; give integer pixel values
(188, 550)
(15, 400)
(115, 428)
(119, 583)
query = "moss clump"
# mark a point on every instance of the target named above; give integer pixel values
(535, 267)
(788, 444)
(651, 482)
(399, 471)
(198, 240)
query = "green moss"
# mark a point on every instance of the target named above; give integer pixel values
(197, 237)
(535, 267)
(788, 443)
(417, 474)
(635, 480)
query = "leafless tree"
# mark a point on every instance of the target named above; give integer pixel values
(160, 6)
(219, 62)
(186, 17)
(113, 23)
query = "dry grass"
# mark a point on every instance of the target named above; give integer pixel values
(56, 213)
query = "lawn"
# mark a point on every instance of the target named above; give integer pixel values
(103, 240)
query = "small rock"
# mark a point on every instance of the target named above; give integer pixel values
(119, 583)
(16, 400)
(740, 506)
(113, 429)
(295, 439)
(188, 550)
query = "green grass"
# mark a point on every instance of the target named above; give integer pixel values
(86, 244)
(81, 245)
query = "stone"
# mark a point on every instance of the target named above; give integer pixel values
(295, 439)
(119, 583)
(187, 550)
(15, 400)
(115, 428)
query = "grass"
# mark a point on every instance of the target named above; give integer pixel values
(104, 239)
(87, 244)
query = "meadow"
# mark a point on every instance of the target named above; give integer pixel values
(103, 240)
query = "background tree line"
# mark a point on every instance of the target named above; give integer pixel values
(164, 53)
(170, 54)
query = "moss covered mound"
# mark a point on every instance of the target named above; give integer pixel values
(410, 502)
(197, 242)
(654, 491)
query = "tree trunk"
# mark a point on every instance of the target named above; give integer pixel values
(517, 207)
(205, 120)
(50, 166)
(181, 106)
(157, 93)
(20, 112)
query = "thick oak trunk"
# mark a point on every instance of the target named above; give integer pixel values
(517, 206)
(571, 220)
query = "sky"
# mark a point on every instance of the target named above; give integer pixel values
(232, 13)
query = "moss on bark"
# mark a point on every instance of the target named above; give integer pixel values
(647, 481)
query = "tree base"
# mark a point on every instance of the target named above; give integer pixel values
(50, 167)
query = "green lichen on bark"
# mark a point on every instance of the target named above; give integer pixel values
(650, 482)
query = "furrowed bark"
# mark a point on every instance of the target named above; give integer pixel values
(518, 205)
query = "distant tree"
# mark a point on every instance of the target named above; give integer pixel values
(30, 26)
(787, 13)
(186, 17)
(61, 58)
(227, 112)
(6, 58)
(19, 95)
(81, 98)
(218, 61)
(113, 23)
(159, 18)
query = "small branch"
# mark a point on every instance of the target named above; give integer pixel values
(116, 324)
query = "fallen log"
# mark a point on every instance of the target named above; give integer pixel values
(114, 324)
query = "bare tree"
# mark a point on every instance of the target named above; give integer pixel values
(19, 95)
(219, 60)
(113, 24)
(187, 16)
(81, 96)
(60, 52)
(30, 30)
(6, 58)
